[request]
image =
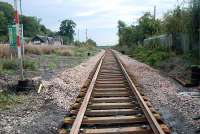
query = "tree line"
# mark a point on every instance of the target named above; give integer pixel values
(184, 19)
(32, 26)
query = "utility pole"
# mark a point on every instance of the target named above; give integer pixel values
(17, 24)
(86, 34)
(78, 35)
(154, 13)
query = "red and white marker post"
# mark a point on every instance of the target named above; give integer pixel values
(17, 28)
(17, 23)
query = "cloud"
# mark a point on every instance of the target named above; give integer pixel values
(87, 13)
(126, 10)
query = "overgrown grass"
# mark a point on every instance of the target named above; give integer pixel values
(64, 52)
(9, 100)
(85, 50)
(51, 65)
(175, 65)
(4, 51)
(50, 55)
(51, 49)
(191, 57)
(47, 50)
(30, 65)
(151, 56)
(60, 50)
(8, 66)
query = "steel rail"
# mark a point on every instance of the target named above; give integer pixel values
(79, 118)
(149, 115)
(109, 100)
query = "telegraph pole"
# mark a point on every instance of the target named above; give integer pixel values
(78, 35)
(86, 34)
(154, 13)
(17, 24)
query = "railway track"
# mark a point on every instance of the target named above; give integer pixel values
(112, 105)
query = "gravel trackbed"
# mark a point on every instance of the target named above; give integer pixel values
(177, 105)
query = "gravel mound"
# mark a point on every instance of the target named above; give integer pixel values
(176, 105)
(65, 86)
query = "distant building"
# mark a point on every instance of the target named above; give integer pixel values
(42, 40)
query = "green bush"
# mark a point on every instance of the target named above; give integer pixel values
(151, 56)
(8, 100)
(6, 65)
(64, 52)
(9, 65)
(30, 65)
(6, 97)
(51, 65)
(84, 50)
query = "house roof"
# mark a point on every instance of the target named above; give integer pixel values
(43, 38)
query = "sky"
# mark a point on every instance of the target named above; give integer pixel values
(100, 17)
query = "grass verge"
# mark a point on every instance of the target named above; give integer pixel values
(175, 65)
(82, 50)
(151, 56)
(9, 100)
(8, 66)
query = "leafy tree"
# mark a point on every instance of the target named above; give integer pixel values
(127, 35)
(121, 27)
(46, 31)
(91, 42)
(3, 22)
(176, 21)
(78, 43)
(148, 26)
(3, 28)
(31, 26)
(67, 30)
(184, 20)
(43, 29)
(8, 11)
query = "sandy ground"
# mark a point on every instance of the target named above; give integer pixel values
(43, 113)
(177, 105)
